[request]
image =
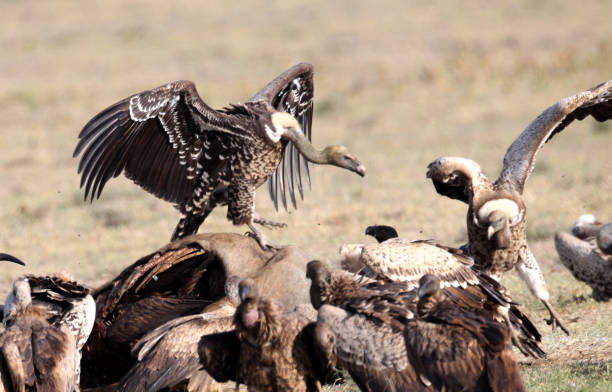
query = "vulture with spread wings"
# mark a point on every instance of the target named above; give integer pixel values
(496, 213)
(172, 144)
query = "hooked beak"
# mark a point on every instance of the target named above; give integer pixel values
(7, 257)
(490, 232)
(359, 168)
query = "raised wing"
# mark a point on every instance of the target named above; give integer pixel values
(162, 139)
(520, 157)
(292, 92)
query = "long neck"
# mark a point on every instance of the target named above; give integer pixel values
(311, 153)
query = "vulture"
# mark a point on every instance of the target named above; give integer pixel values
(47, 321)
(171, 289)
(399, 260)
(386, 336)
(496, 210)
(587, 253)
(269, 350)
(173, 145)
(458, 350)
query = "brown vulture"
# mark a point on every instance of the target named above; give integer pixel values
(269, 350)
(400, 260)
(587, 253)
(47, 320)
(459, 350)
(385, 335)
(172, 144)
(496, 210)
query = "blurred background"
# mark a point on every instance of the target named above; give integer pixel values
(398, 83)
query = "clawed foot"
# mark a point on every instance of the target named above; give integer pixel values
(554, 320)
(267, 223)
(262, 240)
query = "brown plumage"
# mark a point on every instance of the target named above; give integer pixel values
(496, 210)
(400, 260)
(363, 322)
(47, 320)
(385, 346)
(270, 349)
(458, 350)
(587, 253)
(172, 144)
(167, 356)
(190, 272)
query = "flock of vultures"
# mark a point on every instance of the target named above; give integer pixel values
(396, 315)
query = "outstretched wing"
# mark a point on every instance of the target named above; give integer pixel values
(162, 139)
(292, 92)
(520, 157)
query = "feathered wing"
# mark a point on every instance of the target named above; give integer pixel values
(292, 92)
(373, 353)
(158, 139)
(461, 350)
(168, 355)
(520, 157)
(586, 263)
(400, 260)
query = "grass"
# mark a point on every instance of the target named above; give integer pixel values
(399, 83)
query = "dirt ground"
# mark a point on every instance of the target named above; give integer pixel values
(399, 83)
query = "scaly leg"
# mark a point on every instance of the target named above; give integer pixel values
(530, 272)
(267, 223)
(261, 237)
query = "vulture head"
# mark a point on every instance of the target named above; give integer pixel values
(497, 216)
(340, 156)
(249, 314)
(381, 232)
(455, 177)
(17, 300)
(604, 239)
(319, 275)
(256, 319)
(429, 292)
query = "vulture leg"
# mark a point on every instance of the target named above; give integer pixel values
(267, 223)
(260, 237)
(187, 225)
(529, 271)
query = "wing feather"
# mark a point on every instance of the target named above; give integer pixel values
(156, 138)
(520, 157)
(292, 92)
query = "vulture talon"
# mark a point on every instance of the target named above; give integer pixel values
(554, 320)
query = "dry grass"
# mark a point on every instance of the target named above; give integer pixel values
(400, 83)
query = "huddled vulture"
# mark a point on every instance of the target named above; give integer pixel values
(496, 210)
(175, 290)
(46, 322)
(587, 253)
(393, 338)
(269, 350)
(399, 260)
(172, 144)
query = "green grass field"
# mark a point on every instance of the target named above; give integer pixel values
(399, 83)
